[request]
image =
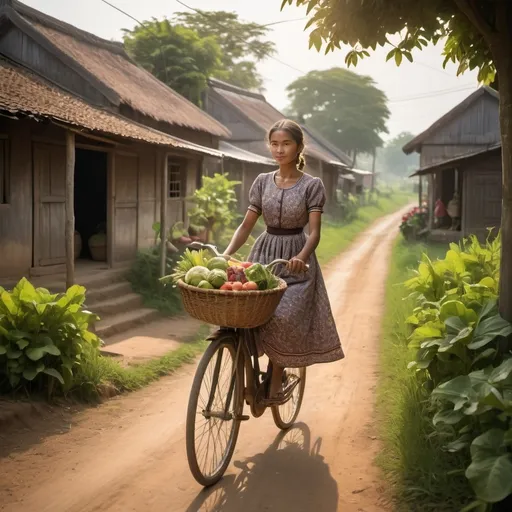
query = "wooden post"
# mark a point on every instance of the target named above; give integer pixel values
(164, 191)
(70, 209)
(111, 207)
(420, 191)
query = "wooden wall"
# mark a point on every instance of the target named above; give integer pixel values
(16, 216)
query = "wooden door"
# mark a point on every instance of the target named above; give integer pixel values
(126, 200)
(49, 204)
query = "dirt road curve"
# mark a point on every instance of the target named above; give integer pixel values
(129, 454)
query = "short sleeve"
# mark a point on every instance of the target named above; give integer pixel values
(315, 198)
(255, 194)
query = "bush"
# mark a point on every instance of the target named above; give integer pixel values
(413, 223)
(463, 356)
(144, 277)
(42, 337)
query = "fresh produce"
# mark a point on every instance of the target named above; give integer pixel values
(217, 263)
(262, 276)
(196, 274)
(227, 287)
(236, 274)
(189, 260)
(206, 285)
(217, 277)
(250, 286)
(237, 286)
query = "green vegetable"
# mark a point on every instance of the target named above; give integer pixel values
(217, 277)
(195, 275)
(262, 276)
(205, 284)
(218, 263)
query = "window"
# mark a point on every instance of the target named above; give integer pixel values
(175, 180)
(4, 184)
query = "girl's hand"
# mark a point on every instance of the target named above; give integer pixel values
(296, 266)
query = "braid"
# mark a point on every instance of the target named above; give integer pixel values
(301, 162)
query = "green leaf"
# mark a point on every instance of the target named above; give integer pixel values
(3, 350)
(52, 372)
(455, 389)
(459, 444)
(488, 330)
(490, 472)
(501, 372)
(22, 344)
(13, 354)
(32, 372)
(448, 417)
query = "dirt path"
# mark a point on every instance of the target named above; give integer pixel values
(129, 454)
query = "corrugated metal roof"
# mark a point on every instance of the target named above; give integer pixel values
(24, 93)
(108, 62)
(231, 151)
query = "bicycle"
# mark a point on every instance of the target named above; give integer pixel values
(231, 372)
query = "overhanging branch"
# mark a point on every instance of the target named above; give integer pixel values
(470, 9)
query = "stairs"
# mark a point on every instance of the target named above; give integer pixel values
(109, 295)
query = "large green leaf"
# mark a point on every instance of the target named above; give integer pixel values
(452, 308)
(448, 417)
(52, 372)
(488, 330)
(32, 372)
(490, 472)
(22, 344)
(3, 350)
(501, 372)
(13, 353)
(8, 302)
(455, 389)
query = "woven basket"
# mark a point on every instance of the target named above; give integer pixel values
(240, 310)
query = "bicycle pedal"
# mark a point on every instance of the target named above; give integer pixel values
(243, 417)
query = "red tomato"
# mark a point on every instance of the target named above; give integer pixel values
(250, 286)
(247, 264)
(237, 286)
(227, 286)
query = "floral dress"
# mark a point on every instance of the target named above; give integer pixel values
(302, 331)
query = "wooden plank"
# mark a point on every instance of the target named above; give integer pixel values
(70, 209)
(163, 215)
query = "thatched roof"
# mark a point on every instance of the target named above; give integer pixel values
(108, 63)
(255, 108)
(24, 94)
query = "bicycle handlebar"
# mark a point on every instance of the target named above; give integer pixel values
(213, 248)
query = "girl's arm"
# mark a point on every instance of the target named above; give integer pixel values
(298, 264)
(242, 233)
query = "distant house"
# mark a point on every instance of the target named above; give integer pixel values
(75, 108)
(249, 116)
(461, 153)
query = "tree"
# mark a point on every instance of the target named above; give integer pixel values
(176, 55)
(394, 160)
(347, 108)
(243, 44)
(477, 34)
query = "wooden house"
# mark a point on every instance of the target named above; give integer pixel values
(87, 138)
(461, 153)
(249, 116)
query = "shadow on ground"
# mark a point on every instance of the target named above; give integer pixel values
(290, 475)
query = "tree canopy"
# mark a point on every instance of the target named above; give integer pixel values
(346, 108)
(243, 44)
(176, 55)
(477, 34)
(394, 161)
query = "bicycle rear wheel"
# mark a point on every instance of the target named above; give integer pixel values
(285, 414)
(214, 411)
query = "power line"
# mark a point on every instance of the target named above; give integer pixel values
(426, 95)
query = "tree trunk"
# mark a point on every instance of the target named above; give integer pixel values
(504, 66)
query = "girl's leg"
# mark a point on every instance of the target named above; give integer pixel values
(276, 384)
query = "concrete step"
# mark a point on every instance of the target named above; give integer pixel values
(123, 321)
(121, 304)
(111, 291)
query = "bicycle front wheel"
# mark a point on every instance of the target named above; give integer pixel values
(214, 411)
(285, 414)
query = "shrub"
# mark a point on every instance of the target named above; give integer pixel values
(413, 223)
(144, 277)
(463, 353)
(42, 337)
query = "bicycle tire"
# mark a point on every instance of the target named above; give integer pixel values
(206, 480)
(277, 410)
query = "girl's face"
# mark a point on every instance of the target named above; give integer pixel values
(283, 148)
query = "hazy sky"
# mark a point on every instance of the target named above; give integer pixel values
(419, 93)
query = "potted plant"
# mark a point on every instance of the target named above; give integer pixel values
(98, 244)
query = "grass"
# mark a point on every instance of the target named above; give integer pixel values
(336, 237)
(412, 459)
(100, 375)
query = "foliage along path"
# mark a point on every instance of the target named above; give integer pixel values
(129, 454)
